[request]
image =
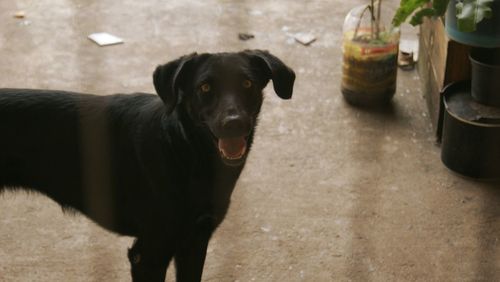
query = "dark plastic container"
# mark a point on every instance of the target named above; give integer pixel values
(485, 76)
(470, 141)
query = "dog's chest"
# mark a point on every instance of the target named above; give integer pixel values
(209, 194)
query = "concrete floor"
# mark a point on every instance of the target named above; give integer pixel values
(330, 192)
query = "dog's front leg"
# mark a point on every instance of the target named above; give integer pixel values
(149, 259)
(190, 256)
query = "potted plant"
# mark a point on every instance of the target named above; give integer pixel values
(471, 22)
(370, 50)
(474, 23)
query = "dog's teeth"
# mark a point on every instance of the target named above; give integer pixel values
(230, 158)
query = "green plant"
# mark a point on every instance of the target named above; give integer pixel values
(375, 9)
(469, 12)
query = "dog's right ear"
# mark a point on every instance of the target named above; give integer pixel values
(166, 79)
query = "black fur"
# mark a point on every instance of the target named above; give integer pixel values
(139, 165)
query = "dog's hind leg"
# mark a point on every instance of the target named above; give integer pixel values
(190, 256)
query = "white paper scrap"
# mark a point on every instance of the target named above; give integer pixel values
(105, 39)
(409, 46)
(304, 38)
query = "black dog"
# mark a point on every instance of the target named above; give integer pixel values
(161, 170)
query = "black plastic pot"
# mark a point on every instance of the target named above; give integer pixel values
(470, 141)
(485, 76)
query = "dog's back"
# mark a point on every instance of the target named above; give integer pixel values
(58, 143)
(39, 138)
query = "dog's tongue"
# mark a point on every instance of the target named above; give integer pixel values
(233, 147)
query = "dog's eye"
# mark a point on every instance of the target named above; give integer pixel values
(247, 83)
(205, 87)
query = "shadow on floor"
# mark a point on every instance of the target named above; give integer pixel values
(488, 233)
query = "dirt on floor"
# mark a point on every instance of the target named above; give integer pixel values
(330, 192)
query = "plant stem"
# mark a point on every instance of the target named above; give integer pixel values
(379, 11)
(372, 18)
(358, 25)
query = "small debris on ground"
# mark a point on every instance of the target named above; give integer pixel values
(245, 36)
(265, 229)
(406, 61)
(304, 38)
(20, 15)
(25, 23)
(256, 13)
(290, 40)
(105, 39)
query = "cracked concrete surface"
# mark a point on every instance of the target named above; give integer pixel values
(330, 192)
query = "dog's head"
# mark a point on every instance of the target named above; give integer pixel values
(223, 92)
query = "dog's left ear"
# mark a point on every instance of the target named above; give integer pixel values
(283, 77)
(167, 78)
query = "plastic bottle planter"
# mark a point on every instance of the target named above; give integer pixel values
(369, 60)
(487, 33)
(485, 77)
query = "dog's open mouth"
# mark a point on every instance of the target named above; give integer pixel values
(232, 149)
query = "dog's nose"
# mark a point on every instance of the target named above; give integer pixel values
(236, 125)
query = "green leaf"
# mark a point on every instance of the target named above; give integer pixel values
(440, 6)
(418, 17)
(407, 8)
(472, 12)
